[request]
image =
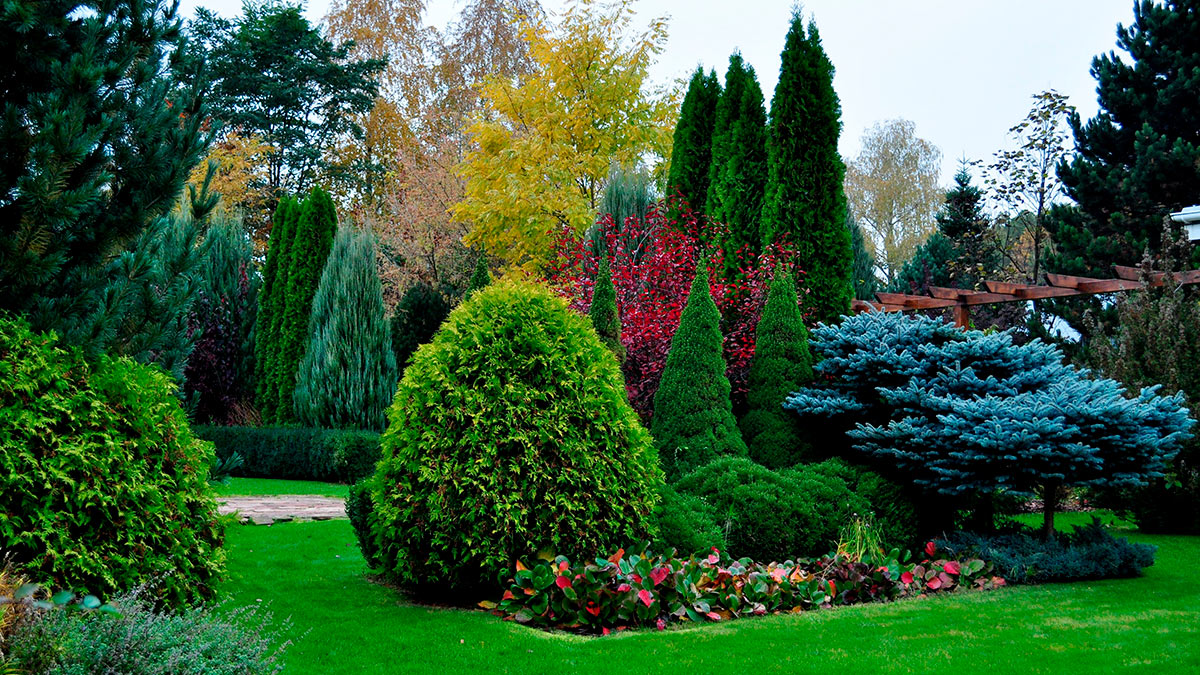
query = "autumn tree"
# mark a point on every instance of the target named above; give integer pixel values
(892, 187)
(241, 180)
(804, 202)
(692, 144)
(545, 143)
(738, 175)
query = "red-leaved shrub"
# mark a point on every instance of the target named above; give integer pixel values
(653, 262)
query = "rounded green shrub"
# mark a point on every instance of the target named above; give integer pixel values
(685, 523)
(890, 506)
(510, 435)
(103, 487)
(773, 516)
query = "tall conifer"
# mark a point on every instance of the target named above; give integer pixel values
(738, 174)
(693, 419)
(691, 150)
(306, 260)
(347, 377)
(266, 336)
(805, 204)
(603, 311)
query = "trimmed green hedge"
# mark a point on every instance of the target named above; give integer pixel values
(331, 455)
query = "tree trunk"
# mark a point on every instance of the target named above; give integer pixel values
(1049, 501)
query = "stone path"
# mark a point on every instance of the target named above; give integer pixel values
(283, 508)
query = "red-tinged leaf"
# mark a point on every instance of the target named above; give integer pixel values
(930, 549)
(616, 557)
(952, 567)
(714, 616)
(637, 578)
(562, 582)
(658, 574)
(521, 567)
(487, 604)
(661, 624)
(713, 559)
(907, 577)
(624, 588)
(946, 580)
(508, 595)
(605, 631)
(832, 587)
(562, 566)
(592, 609)
(646, 597)
(999, 581)
(933, 584)
(529, 591)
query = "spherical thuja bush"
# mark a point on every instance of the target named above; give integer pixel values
(510, 435)
(103, 487)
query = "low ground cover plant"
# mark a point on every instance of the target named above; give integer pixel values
(1089, 552)
(337, 455)
(646, 589)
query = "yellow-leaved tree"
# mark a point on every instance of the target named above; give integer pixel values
(544, 143)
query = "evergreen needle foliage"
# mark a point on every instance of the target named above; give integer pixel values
(603, 311)
(691, 149)
(738, 174)
(270, 310)
(306, 260)
(418, 316)
(805, 204)
(480, 278)
(781, 365)
(348, 375)
(693, 418)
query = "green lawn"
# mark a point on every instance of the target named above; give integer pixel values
(239, 487)
(314, 573)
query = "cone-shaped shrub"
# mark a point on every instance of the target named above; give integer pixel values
(781, 365)
(693, 418)
(348, 374)
(603, 311)
(510, 434)
(480, 278)
(419, 313)
(270, 299)
(306, 260)
(103, 487)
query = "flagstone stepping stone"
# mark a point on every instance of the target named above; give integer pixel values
(268, 510)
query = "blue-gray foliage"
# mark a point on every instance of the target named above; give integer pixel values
(969, 412)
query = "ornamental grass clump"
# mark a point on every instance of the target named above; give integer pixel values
(509, 435)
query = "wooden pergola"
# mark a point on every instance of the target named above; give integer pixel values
(1059, 286)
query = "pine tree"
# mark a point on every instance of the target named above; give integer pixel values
(781, 365)
(220, 372)
(865, 283)
(603, 311)
(306, 260)
(480, 278)
(347, 377)
(738, 175)
(418, 316)
(805, 204)
(691, 150)
(266, 340)
(693, 418)
(1139, 157)
(963, 222)
(89, 171)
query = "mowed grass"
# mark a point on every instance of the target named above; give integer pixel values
(343, 623)
(243, 487)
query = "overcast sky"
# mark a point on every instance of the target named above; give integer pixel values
(962, 70)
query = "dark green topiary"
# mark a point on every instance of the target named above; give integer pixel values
(685, 523)
(418, 315)
(306, 260)
(480, 278)
(781, 365)
(891, 507)
(693, 418)
(348, 374)
(359, 510)
(770, 516)
(603, 311)
(102, 485)
(805, 204)
(510, 434)
(270, 299)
